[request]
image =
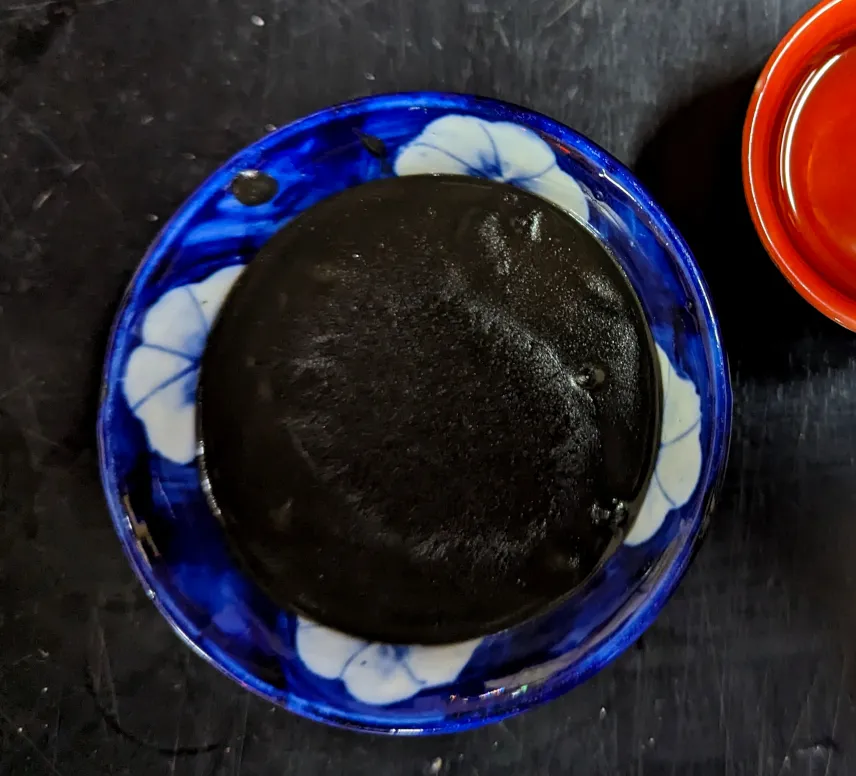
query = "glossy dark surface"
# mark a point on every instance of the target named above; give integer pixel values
(749, 669)
(419, 404)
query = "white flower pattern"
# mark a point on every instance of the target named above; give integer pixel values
(499, 150)
(379, 674)
(161, 374)
(678, 465)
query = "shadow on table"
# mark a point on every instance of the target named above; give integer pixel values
(692, 166)
(793, 422)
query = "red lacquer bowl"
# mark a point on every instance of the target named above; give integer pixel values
(799, 158)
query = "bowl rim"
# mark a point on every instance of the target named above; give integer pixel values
(710, 478)
(771, 89)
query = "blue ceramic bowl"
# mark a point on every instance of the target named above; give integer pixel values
(146, 425)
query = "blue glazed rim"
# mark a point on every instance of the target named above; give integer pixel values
(715, 455)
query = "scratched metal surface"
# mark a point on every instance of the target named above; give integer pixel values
(112, 111)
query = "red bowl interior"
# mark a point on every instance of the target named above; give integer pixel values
(797, 248)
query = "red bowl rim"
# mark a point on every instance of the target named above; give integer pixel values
(814, 31)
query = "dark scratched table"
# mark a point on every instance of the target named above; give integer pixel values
(113, 111)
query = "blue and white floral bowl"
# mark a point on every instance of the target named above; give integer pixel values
(146, 426)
